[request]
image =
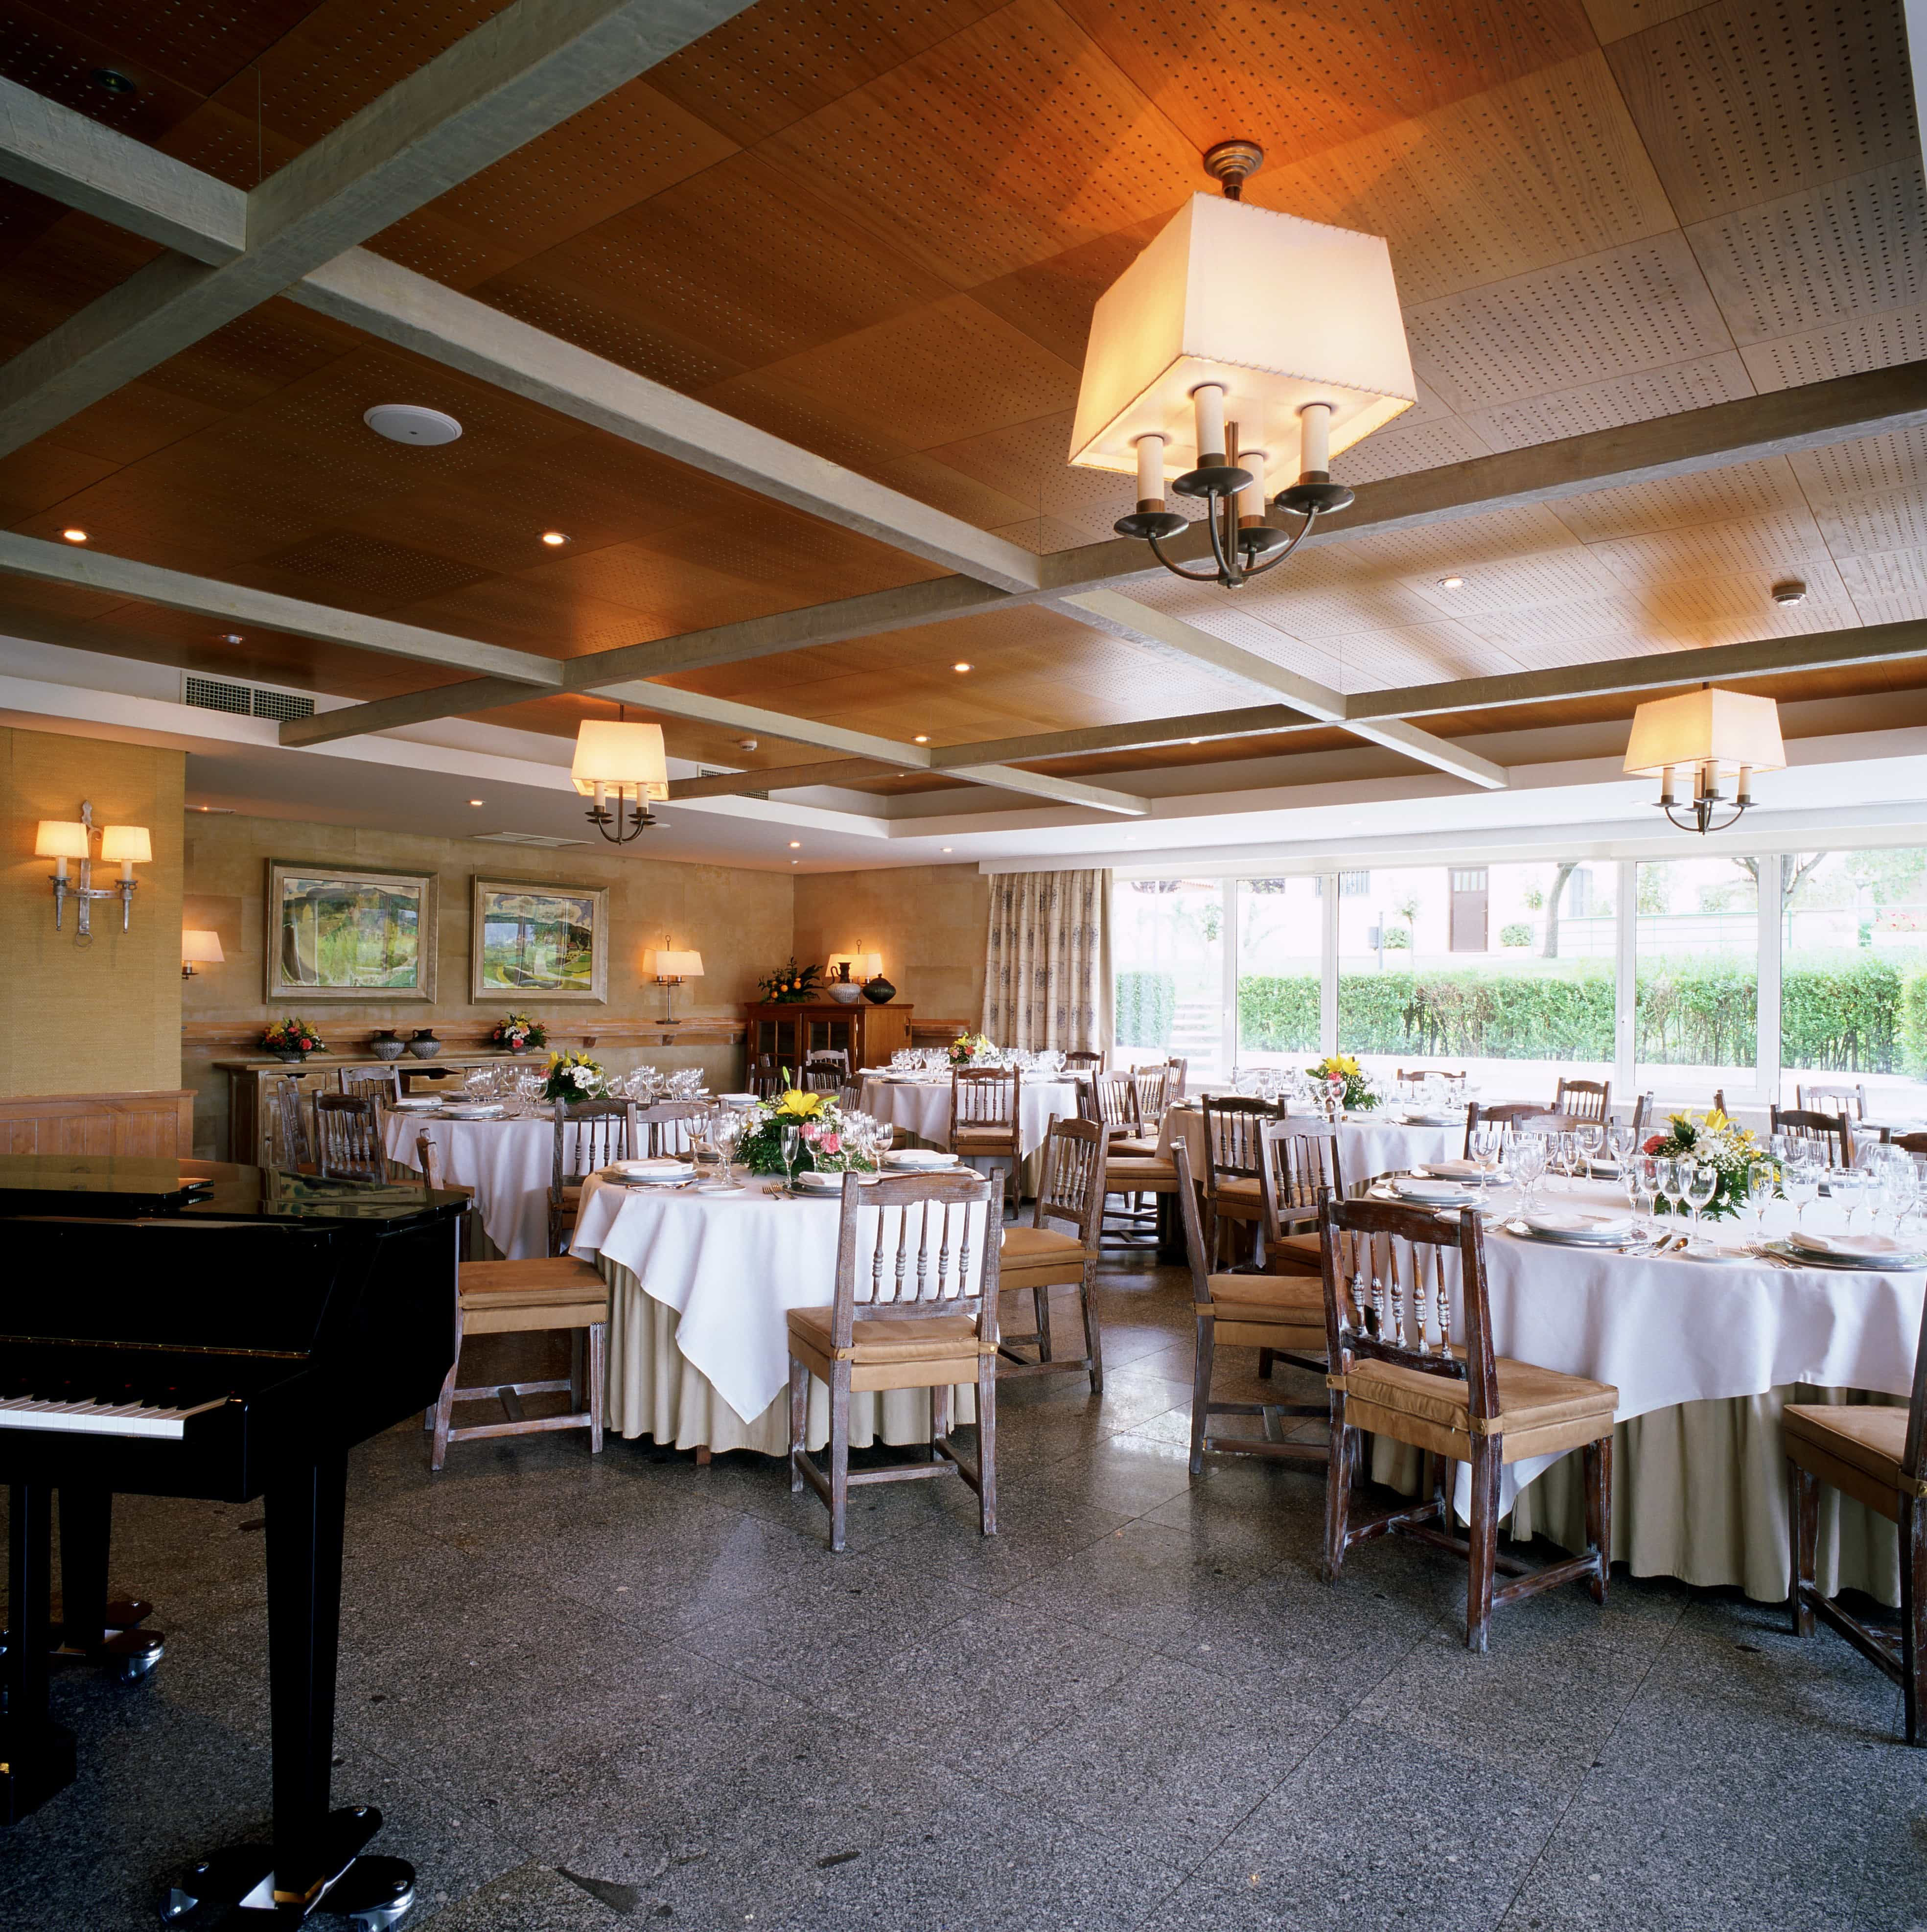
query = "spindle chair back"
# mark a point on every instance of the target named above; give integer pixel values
(347, 1132)
(1584, 1099)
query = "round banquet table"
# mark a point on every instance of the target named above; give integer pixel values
(1366, 1147)
(700, 1285)
(1704, 1356)
(922, 1107)
(507, 1162)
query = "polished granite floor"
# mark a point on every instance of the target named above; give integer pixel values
(587, 1692)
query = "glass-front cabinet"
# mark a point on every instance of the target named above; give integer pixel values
(785, 1031)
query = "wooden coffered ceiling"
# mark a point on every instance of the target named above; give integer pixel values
(876, 231)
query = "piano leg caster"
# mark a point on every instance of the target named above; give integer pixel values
(374, 1892)
(119, 1647)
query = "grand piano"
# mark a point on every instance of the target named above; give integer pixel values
(187, 1328)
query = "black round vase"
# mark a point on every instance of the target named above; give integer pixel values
(879, 990)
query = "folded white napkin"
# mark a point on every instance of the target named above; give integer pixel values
(661, 1168)
(1580, 1227)
(1429, 1191)
(1856, 1247)
(1453, 1170)
(919, 1157)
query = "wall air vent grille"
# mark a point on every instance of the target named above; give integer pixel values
(242, 700)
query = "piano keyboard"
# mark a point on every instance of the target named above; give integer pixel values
(100, 1418)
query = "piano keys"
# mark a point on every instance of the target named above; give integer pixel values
(180, 1328)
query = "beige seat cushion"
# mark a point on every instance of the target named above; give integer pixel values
(1540, 1411)
(1856, 1447)
(1268, 1311)
(989, 1140)
(886, 1353)
(1296, 1254)
(1143, 1148)
(517, 1298)
(1235, 1199)
(1132, 1175)
(1038, 1257)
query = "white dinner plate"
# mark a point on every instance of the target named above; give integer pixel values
(1428, 1193)
(738, 1100)
(916, 1157)
(413, 1103)
(1807, 1258)
(1606, 1229)
(1852, 1250)
(655, 1173)
(1715, 1256)
(812, 1182)
(463, 1110)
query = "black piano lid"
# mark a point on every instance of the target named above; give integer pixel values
(119, 1187)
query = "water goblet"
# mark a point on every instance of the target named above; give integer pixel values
(1488, 1145)
(1847, 1185)
(1528, 1162)
(1763, 1189)
(789, 1145)
(1702, 1185)
(1800, 1181)
(1591, 1136)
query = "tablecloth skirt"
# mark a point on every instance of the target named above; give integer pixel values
(653, 1391)
(1699, 1493)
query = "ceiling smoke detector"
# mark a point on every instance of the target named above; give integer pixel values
(745, 744)
(1791, 591)
(409, 422)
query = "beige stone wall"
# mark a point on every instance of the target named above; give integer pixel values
(928, 922)
(740, 921)
(103, 1018)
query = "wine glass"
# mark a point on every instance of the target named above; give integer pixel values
(726, 1133)
(1702, 1184)
(1847, 1185)
(1488, 1143)
(1763, 1188)
(1591, 1136)
(789, 1145)
(1643, 1195)
(1668, 1189)
(1800, 1181)
(1528, 1162)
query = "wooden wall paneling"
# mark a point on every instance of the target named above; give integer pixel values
(131, 1125)
(43, 476)
(931, 482)
(1227, 69)
(1007, 143)
(1745, 100)
(1842, 348)
(1051, 301)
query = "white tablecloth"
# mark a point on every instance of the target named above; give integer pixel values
(922, 1108)
(1365, 1147)
(507, 1162)
(732, 1266)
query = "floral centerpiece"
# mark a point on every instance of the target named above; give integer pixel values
(1345, 1081)
(1713, 1141)
(968, 1046)
(790, 982)
(819, 1121)
(574, 1076)
(516, 1032)
(292, 1039)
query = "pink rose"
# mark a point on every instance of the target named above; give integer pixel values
(1654, 1144)
(811, 1132)
(830, 1143)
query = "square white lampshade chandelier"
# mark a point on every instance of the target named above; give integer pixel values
(1278, 311)
(1710, 731)
(620, 760)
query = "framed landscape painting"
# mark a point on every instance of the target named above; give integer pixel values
(337, 933)
(530, 938)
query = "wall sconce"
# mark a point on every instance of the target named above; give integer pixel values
(61, 839)
(670, 969)
(200, 949)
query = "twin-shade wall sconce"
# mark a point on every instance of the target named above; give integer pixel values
(65, 839)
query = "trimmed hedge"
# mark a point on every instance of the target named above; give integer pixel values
(1850, 1011)
(1145, 1002)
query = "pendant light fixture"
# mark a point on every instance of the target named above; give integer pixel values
(1238, 338)
(627, 763)
(1704, 735)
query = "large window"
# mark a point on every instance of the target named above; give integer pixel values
(1170, 948)
(1696, 976)
(1659, 974)
(1853, 969)
(1503, 972)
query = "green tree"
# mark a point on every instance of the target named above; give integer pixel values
(1654, 895)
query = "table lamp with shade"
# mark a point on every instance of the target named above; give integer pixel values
(200, 949)
(669, 968)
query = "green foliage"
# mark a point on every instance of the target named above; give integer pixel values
(1518, 934)
(1699, 1010)
(1842, 1010)
(1397, 939)
(1145, 1002)
(1914, 1025)
(1279, 1014)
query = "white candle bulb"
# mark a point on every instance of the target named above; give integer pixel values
(1208, 402)
(1251, 502)
(1315, 432)
(1150, 468)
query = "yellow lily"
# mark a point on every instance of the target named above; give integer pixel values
(801, 1104)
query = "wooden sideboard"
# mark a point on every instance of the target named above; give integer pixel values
(787, 1029)
(131, 1124)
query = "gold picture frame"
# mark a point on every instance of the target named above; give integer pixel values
(538, 939)
(337, 932)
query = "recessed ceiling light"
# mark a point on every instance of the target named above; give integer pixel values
(74, 536)
(923, 737)
(555, 539)
(113, 80)
(1195, 741)
(1451, 583)
(231, 637)
(946, 848)
(475, 801)
(796, 844)
(409, 422)
(960, 667)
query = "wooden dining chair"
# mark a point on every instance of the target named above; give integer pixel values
(660, 1130)
(1245, 1307)
(589, 1134)
(825, 1069)
(1823, 1098)
(1234, 1157)
(986, 1120)
(1643, 1114)
(523, 1297)
(1526, 1116)
(1393, 1372)
(1833, 1130)
(1176, 1067)
(1082, 1060)
(290, 1144)
(1876, 1453)
(1112, 1102)
(347, 1134)
(907, 1314)
(1430, 1073)
(376, 1083)
(1908, 1143)
(766, 1079)
(1584, 1099)
(1070, 1188)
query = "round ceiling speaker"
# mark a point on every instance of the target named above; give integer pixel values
(409, 422)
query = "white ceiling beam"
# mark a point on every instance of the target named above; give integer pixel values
(148, 584)
(1147, 734)
(413, 707)
(1158, 630)
(531, 66)
(409, 310)
(777, 777)
(70, 158)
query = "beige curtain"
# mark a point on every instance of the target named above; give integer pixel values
(1047, 960)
